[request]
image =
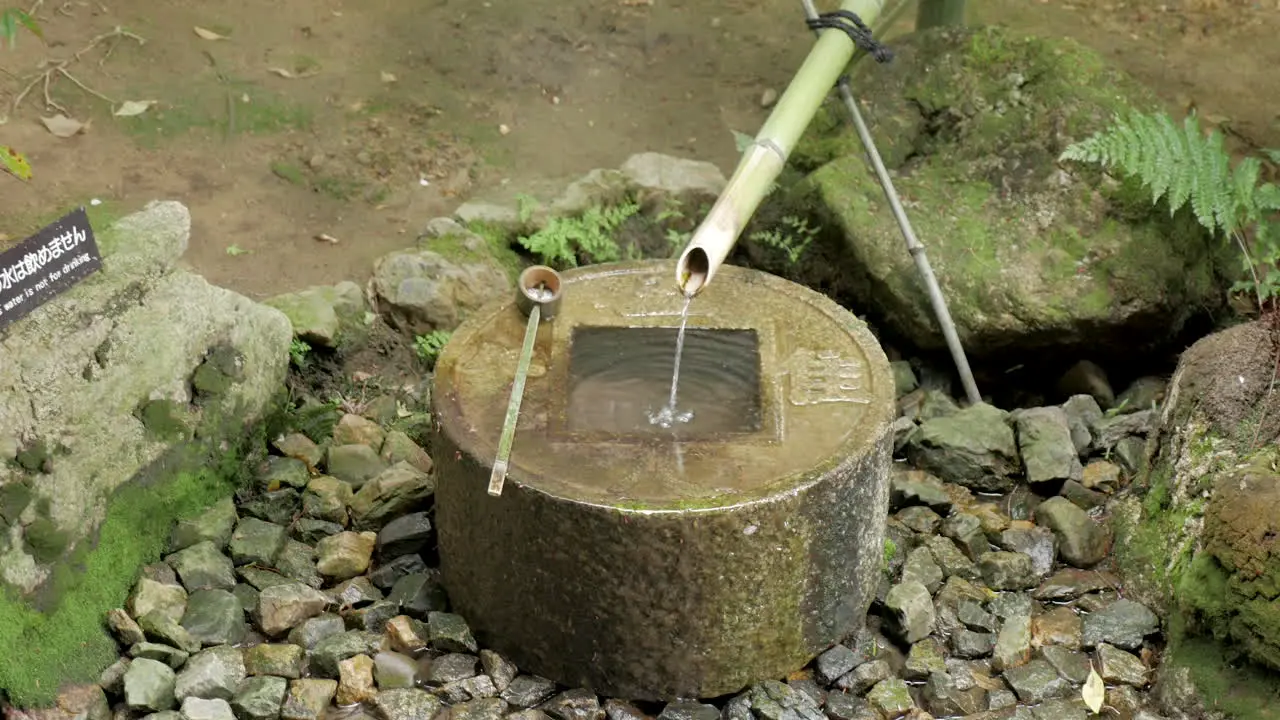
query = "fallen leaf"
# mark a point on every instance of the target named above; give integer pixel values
(401, 410)
(325, 237)
(62, 126)
(388, 77)
(234, 250)
(1094, 692)
(129, 108)
(293, 75)
(14, 163)
(208, 34)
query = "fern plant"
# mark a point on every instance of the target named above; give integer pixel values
(429, 346)
(792, 238)
(1184, 165)
(589, 236)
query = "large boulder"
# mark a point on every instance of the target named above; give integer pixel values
(1030, 254)
(108, 378)
(1198, 537)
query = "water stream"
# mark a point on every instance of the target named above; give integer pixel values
(668, 415)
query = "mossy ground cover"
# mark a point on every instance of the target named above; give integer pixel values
(58, 636)
(68, 642)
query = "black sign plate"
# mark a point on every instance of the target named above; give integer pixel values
(46, 264)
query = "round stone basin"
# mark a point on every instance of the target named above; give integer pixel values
(651, 562)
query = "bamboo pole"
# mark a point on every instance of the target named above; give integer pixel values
(766, 157)
(935, 13)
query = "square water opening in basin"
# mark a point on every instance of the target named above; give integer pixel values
(621, 377)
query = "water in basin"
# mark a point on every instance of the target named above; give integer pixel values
(622, 378)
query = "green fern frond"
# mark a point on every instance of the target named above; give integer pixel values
(1267, 197)
(590, 235)
(1182, 165)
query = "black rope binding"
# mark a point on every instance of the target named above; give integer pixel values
(850, 24)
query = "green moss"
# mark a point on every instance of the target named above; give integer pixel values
(33, 457)
(290, 173)
(1202, 591)
(890, 549)
(498, 248)
(14, 498)
(1242, 692)
(206, 104)
(208, 380)
(59, 631)
(164, 419)
(339, 188)
(45, 541)
(68, 643)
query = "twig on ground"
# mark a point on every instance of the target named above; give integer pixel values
(45, 78)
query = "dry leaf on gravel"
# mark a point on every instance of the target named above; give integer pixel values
(1094, 691)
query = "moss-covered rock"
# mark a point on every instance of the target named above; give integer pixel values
(1198, 537)
(1029, 254)
(325, 316)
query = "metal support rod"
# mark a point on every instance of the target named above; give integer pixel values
(938, 13)
(914, 246)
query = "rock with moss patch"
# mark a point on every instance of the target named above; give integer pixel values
(1030, 253)
(419, 291)
(324, 316)
(134, 338)
(214, 525)
(395, 491)
(974, 447)
(1191, 532)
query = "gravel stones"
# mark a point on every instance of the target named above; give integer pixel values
(974, 448)
(149, 685)
(912, 610)
(203, 566)
(1124, 623)
(345, 555)
(283, 606)
(1044, 442)
(213, 673)
(1081, 541)
(334, 601)
(214, 617)
(256, 542)
(406, 704)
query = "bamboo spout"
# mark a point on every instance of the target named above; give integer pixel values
(764, 159)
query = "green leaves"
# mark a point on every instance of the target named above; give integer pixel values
(14, 163)
(1184, 165)
(564, 238)
(13, 18)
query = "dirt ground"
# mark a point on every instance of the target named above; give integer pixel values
(363, 119)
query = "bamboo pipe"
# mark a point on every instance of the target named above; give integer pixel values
(768, 154)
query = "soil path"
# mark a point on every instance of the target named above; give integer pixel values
(363, 119)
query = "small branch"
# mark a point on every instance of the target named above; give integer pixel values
(60, 68)
(86, 88)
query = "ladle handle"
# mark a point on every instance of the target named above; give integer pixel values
(499, 475)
